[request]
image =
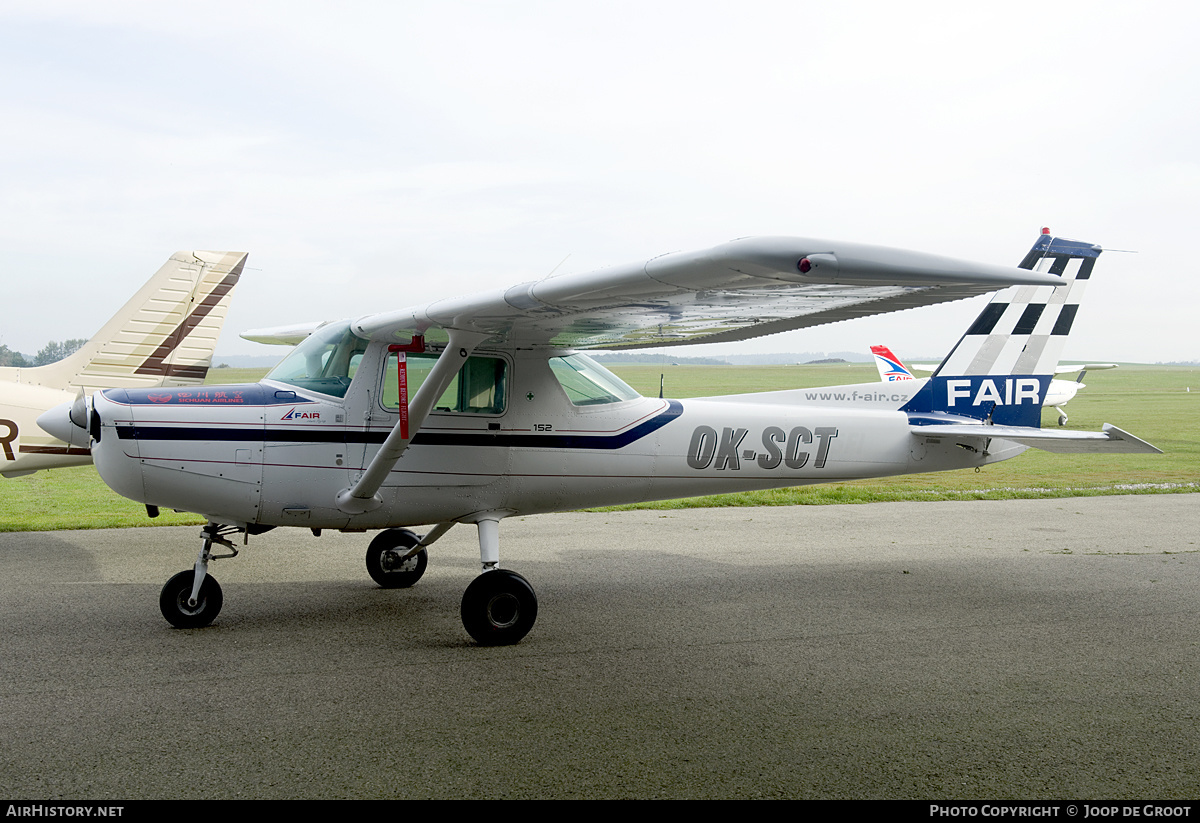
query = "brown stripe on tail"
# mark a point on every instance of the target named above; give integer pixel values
(154, 363)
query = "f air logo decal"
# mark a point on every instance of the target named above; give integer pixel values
(301, 415)
(1006, 400)
(1011, 391)
(725, 452)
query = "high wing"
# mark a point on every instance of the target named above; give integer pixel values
(736, 291)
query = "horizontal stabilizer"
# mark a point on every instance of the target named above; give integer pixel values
(1069, 368)
(1061, 368)
(291, 335)
(1112, 440)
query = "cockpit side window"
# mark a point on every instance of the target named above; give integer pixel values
(480, 387)
(326, 362)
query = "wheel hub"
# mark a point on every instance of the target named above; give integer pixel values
(394, 561)
(186, 605)
(503, 610)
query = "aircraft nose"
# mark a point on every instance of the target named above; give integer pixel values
(58, 423)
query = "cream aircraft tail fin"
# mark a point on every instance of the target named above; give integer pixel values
(164, 336)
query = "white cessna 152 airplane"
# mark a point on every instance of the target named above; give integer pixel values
(164, 336)
(474, 409)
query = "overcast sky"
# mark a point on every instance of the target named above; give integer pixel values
(372, 156)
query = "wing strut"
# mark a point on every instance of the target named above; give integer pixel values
(363, 496)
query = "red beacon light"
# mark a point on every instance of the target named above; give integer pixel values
(1045, 229)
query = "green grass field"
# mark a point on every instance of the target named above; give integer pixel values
(1153, 402)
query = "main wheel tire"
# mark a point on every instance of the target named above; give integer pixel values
(381, 563)
(499, 608)
(173, 601)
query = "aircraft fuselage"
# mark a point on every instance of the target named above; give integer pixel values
(271, 453)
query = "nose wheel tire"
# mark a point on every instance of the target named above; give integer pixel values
(384, 562)
(499, 608)
(174, 601)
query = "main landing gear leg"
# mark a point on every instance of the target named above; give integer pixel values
(192, 599)
(499, 607)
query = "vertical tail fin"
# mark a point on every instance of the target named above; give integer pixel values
(164, 336)
(889, 365)
(1023, 329)
(1000, 370)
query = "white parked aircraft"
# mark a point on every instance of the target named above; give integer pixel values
(164, 336)
(474, 409)
(890, 368)
(1061, 391)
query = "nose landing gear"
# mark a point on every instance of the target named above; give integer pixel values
(176, 604)
(192, 599)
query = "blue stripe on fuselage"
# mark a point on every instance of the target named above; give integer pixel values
(494, 440)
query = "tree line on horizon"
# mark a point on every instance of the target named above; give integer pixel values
(52, 352)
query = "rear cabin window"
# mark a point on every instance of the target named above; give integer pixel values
(587, 383)
(480, 387)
